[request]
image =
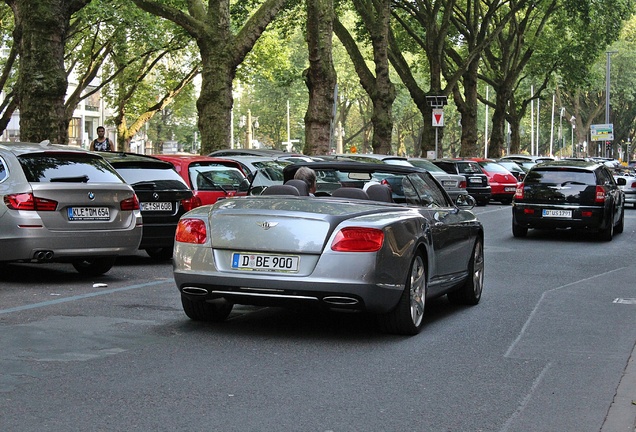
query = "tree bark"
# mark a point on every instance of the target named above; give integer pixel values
(320, 77)
(42, 83)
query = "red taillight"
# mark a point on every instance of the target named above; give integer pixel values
(528, 211)
(519, 191)
(129, 204)
(462, 184)
(600, 195)
(586, 214)
(191, 231)
(26, 201)
(355, 239)
(633, 186)
(191, 203)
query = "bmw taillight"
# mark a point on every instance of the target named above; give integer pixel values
(191, 203)
(357, 239)
(191, 231)
(130, 204)
(462, 184)
(26, 201)
(519, 191)
(600, 195)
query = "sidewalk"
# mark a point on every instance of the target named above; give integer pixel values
(621, 416)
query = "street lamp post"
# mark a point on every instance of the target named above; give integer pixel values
(607, 91)
(251, 125)
(572, 120)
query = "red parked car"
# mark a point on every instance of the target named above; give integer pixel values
(210, 178)
(502, 181)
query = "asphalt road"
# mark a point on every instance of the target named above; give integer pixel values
(547, 349)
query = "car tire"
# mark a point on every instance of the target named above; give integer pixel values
(482, 203)
(517, 230)
(200, 310)
(470, 292)
(94, 266)
(160, 253)
(620, 226)
(407, 317)
(506, 201)
(608, 233)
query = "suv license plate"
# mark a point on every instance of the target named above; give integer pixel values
(156, 206)
(279, 263)
(88, 213)
(557, 213)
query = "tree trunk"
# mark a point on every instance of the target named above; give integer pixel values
(467, 107)
(497, 137)
(320, 77)
(42, 82)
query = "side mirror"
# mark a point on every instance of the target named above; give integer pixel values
(465, 201)
(244, 185)
(621, 181)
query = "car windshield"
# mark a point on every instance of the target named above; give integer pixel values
(159, 178)
(494, 167)
(560, 177)
(213, 177)
(469, 168)
(427, 165)
(67, 167)
(273, 170)
(406, 188)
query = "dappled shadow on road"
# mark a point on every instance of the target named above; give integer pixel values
(314, 323)
(65, 272)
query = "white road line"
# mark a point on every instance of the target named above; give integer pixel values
(82, 296)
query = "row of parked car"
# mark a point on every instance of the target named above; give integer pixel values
(65, 204)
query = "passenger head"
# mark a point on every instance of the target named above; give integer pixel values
(308, 176)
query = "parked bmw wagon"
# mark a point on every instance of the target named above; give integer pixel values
(163, 194)
(569, 194)
(64, 204)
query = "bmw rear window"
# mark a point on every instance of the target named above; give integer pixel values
(162, 178)
(67, 167)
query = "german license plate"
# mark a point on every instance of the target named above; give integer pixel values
(449, 183)
(156, 206)
(281, 263)
(474, 180)
(510, 189)
(88, 213)
(557, 213)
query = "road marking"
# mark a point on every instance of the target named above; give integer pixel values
(82, 296)
(625, 300)
(536, 306)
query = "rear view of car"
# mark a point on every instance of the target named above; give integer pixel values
(163, 197)
(63, 204)
(568, 194)
(476, 181)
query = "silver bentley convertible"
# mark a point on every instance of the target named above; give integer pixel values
(373, 237)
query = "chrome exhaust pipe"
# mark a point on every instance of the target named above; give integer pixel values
(195, 291)
(44, 255)
(340, 301)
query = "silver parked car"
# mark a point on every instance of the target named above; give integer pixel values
(386, 250)
(64, 204)
(454, 184)
(626, 181)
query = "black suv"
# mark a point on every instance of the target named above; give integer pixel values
(163, 196)
(477, 184)
(569, 194)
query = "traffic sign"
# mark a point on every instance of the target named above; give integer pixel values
(438, 117)
(602, 132)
